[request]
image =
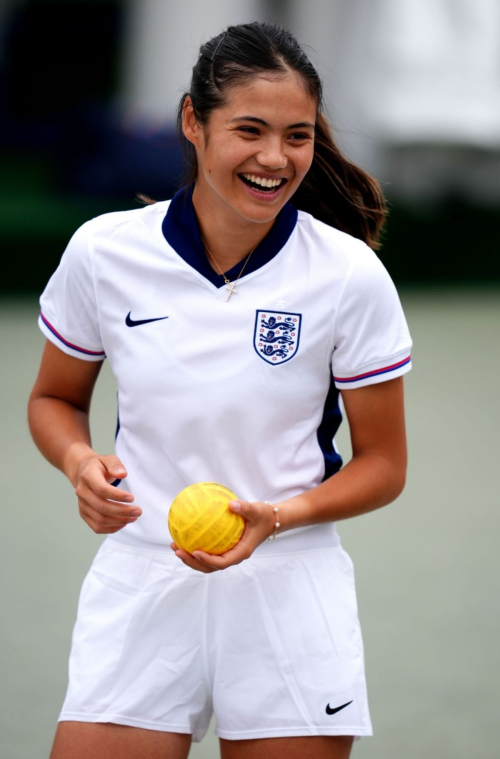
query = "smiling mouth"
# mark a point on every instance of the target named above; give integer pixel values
(262, 185)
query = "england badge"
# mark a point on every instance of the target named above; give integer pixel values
(276, 335)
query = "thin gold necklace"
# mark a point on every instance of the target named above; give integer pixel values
(231, 286)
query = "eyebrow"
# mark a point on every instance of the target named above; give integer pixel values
(300, 125)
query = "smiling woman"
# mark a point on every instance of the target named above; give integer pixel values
(243, 391)
(249, 166)
(256, 94)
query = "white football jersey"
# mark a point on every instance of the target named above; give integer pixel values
(245, 391)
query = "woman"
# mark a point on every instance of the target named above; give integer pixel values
(232, 321)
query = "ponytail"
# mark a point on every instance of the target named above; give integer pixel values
(335, 190)
(339, 193)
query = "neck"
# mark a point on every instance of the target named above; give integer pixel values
(228, 236)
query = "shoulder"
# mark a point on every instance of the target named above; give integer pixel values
(110, 234)
(347, 260)
(108, 224)
(333, 246)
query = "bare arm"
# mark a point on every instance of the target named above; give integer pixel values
(376, 474)
(58, 414)
(374, 477)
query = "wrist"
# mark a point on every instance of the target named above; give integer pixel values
(292, 512)
(76, 456)
(276, 520)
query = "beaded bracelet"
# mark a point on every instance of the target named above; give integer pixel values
(276, 524)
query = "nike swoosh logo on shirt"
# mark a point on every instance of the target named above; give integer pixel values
(337, 709)
(131, 323)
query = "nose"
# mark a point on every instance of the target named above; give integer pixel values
(272, 154)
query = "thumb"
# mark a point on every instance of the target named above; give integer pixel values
(241, 507)
(114, 467)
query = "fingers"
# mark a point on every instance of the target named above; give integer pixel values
(93, 476)
(192, 562)
(88, 496)
(114, 467)
(207, 562)
(257, 515)
(102, 525)
(103, 507)
(235, 555)
(94, 484)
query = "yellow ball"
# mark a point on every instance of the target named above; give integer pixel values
(200, 518)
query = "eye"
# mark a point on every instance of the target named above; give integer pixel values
(248, 129)
(297, 136)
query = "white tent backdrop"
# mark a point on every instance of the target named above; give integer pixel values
(400, 76)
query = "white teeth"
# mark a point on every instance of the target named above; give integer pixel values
(262, 181)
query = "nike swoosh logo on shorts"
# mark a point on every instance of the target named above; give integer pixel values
(131, 323)
(337, 709)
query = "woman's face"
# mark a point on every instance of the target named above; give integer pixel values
(263, 135)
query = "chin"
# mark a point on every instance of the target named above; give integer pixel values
(254, 211)
(260, 215)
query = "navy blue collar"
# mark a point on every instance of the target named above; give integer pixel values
(181, 231)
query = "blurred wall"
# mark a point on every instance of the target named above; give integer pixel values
(398, 75)
(161, 46)
(413, 88)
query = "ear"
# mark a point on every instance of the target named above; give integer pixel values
(190, 126)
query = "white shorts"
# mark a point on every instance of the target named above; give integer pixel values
(272, 646)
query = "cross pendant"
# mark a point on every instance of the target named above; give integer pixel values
(231, 288)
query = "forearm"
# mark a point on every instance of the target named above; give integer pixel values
(61, 432)
(366, 483)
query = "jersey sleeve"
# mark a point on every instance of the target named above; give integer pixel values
(372, 341)
(69, 315)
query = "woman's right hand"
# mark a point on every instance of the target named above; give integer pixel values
(104, 507)
(58, 414)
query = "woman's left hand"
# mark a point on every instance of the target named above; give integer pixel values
(259, 525)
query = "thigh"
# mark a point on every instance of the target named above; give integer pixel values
(286, 649)
(137, 646)
(86, 740)
(299, 747)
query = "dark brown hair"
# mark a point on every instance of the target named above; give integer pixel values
(335, 190)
